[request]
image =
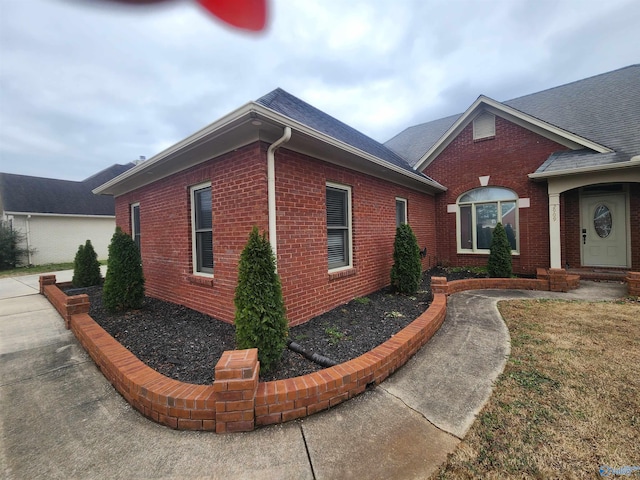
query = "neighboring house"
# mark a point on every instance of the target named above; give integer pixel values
(561, 167)
(547, 165)
(55, 216)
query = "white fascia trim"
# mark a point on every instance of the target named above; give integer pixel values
(268, 114)
(564, 137)
(182, 144)
(634, 162)
(66, 215)
(275, 116)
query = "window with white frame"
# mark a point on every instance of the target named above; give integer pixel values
(338, 226)
(479, 211)
(202, 229)
(401, 211)
(135, 224)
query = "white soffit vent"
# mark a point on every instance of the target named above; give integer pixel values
(484, 126)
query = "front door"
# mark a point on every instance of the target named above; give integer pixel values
(603, 234)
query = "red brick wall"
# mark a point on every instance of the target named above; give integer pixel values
(302, 239)
(507, 158)
(570, 235)
(239, 183)
(239, 186)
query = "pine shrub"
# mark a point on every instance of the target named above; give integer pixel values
(124, 282)
(11, 253)
(499, 265)
(407, 267)
(86, 268)
(260, 318)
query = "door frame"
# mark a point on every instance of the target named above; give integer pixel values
(591, 191)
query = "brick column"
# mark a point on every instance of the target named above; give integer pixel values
(633, 283)
(46, 280)
(439, 285)
(235, 386)
(558, 281)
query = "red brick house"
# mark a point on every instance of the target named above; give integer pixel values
(560, 168)
(329, 196)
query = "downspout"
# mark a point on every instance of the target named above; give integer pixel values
(271, 189)
(28, 228)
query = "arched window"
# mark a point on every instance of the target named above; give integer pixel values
(479, 211)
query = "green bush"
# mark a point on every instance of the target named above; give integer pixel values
(260, 318)
(86, 268)
(407, 267)
(11, 254)
(124, 282)
(499, 265)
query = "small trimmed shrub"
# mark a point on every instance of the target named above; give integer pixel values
(11, 254)
(407, 267)
(499, 265)
(124, 282)
(86, 268)
(260, 318)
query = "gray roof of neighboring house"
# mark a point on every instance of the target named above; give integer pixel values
(23, 193)
(296, 109)
(604, 109)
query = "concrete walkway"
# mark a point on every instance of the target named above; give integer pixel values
(60, 418)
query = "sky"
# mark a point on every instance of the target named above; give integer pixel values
(85, 84)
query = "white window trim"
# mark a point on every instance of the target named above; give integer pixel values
(474, 250)
(349, 225)
(133, 222)
(194, 253)
(406, 214)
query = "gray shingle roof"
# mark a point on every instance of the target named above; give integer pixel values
(296, 109)
(604, 108)
(23, 193)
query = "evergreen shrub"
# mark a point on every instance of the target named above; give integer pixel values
(124, 283)
(86, 268)
(406, 272)
(11, 254)
(260, 318)
(499, 265)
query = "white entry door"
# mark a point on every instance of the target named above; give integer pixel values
(603, 234)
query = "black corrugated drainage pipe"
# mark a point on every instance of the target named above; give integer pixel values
(314, 357)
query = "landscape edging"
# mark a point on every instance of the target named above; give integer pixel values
(186, 406)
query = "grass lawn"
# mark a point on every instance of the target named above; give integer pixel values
(50, 267)
(568, 401)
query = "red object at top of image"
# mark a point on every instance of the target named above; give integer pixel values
(245, 14)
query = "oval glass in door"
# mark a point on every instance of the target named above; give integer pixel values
(602, 220)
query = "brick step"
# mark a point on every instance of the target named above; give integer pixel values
(599, 274)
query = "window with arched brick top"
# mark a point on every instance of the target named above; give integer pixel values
(479, 211)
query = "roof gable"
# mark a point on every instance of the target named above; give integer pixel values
(486, 104)
(600, 114)
(314, 133)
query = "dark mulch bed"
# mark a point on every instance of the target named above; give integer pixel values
(186, 345)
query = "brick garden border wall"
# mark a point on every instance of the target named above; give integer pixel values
(237, 401)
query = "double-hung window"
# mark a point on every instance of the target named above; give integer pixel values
(479, 211)
(401, 211)
(135, 224)
(202, 229)
(338, 226)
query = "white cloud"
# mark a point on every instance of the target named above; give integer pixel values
(83, 86)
